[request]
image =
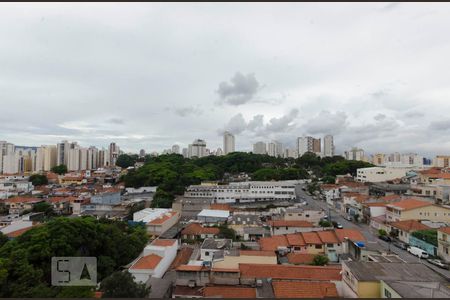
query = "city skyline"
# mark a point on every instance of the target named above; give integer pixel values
(95, 77)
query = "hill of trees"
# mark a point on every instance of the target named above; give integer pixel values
(172, 172)
(25, 262)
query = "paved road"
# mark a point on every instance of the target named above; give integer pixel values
(368, 233)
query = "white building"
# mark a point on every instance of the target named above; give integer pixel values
(176, 149)
(328, 146)
(260, 148)
(354, 154)
(185, 152)
(73, 160)
(5, 149)
(197, 149)
(380, 174)
(228, 143)
(92, 159)
(292, 153)
(219, 152)
(308, 144)
(46, 156)
(244, 192)
(154, 261)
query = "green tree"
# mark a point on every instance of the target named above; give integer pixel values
(324, 223)
(3, 239)
(37, 179)
(60, 169)
(320, 260)
(121, 285)
(44, 207)
(227, 233)
(126, 160)
(428, 235)
(76, 292)
(382, 232)
(162, 199)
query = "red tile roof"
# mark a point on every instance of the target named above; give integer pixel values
(283, 223)
(220, 206)
(227, 270)
(409, 225)
(290, 272)
(164, 218)
(300, 289)
(295, 239)
(272, 243)
(183, 256)
(445, 230)
(353, 234)
(229, 292)
(197, 229)
(390, 198)
(311, 238)
(147, 262)
(328, 237)
(23, 200)
(300, 258)
(191, 268)
(409, 204)
(256, 253)
(163, 242)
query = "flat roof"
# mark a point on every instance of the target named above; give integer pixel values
(214, 213)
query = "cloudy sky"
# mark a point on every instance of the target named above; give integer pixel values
(144, 75)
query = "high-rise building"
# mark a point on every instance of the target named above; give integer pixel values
(228, 143)
(292, 153)
(197, 148)
(46, 157)
(317, 146)
(142, 153)
(63, 153)
(103, 158)
(5, 149)
(92, 159)
(378, 159)
(259, 148)
(185, 152)
(84, 159)
(354, 154)
(328, 146)
(73, 159)
(114, 152)
(307, 144)
(219, 152)
(176, 149)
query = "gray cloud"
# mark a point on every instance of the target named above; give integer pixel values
(256, 123)
(186, 111)
(379, 117)
(326, 123)
(440, 125)
(414, 114)
(116, 121)
(283, 123)
(240, 90)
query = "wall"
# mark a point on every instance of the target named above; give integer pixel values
(384, 287)
(232, 262)
(443, 245)
(429, 248)
(282, 229)
(432, 213)
(369, 289)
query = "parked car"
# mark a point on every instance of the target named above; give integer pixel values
(417, 252)
(400, 245)
(385, 238)
(439, 263)
(339, 226)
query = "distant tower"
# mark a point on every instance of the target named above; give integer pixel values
(260, 148)
(328, 146)
(176, 149)
(113, 153)
(142, 153)
(228, 143)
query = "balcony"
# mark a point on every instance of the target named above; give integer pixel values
(443, 242)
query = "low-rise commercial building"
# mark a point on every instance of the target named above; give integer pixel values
(413, 209)
(379, 174)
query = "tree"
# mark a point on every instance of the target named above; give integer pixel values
(122, 285)
(44, 207)
(126, 160)
(324, 223)
(382, 232)
(60, 169)
(329, 179)
(37, 179)
(320, 260)
(3, 239)
(162, 199)
(427, 235)
(227, 233)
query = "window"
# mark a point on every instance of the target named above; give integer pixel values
(318, 246)
(207, 253)
(387, 294)
(330, 245)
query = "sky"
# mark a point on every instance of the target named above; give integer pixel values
(150, 75)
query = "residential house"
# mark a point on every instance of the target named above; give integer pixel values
(157, 220)
(413, 209)
(18, 205)
(238, 222)
(192, 275)
(304, 289)
(155, 260)
(353, 204)
(444, 243)
(195, 231)
(213, 216)
(403, 229)
(278, 227)
(363, 279)
(234, 258)
(229, 292)
(214, 248)
(300, 214)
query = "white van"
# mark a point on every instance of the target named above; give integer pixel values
(417, 252)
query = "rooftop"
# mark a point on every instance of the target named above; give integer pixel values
(302, 289)
(283, 223)
(164, 242)
(229, 292)
(409, 225)
(419, 290)
(147, 262)
(198, 229)
(214, 213)
(290, 272)
(409, 204)
(163, 218)
(217, 244)
(373, 271)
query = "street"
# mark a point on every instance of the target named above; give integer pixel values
(365, 229)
